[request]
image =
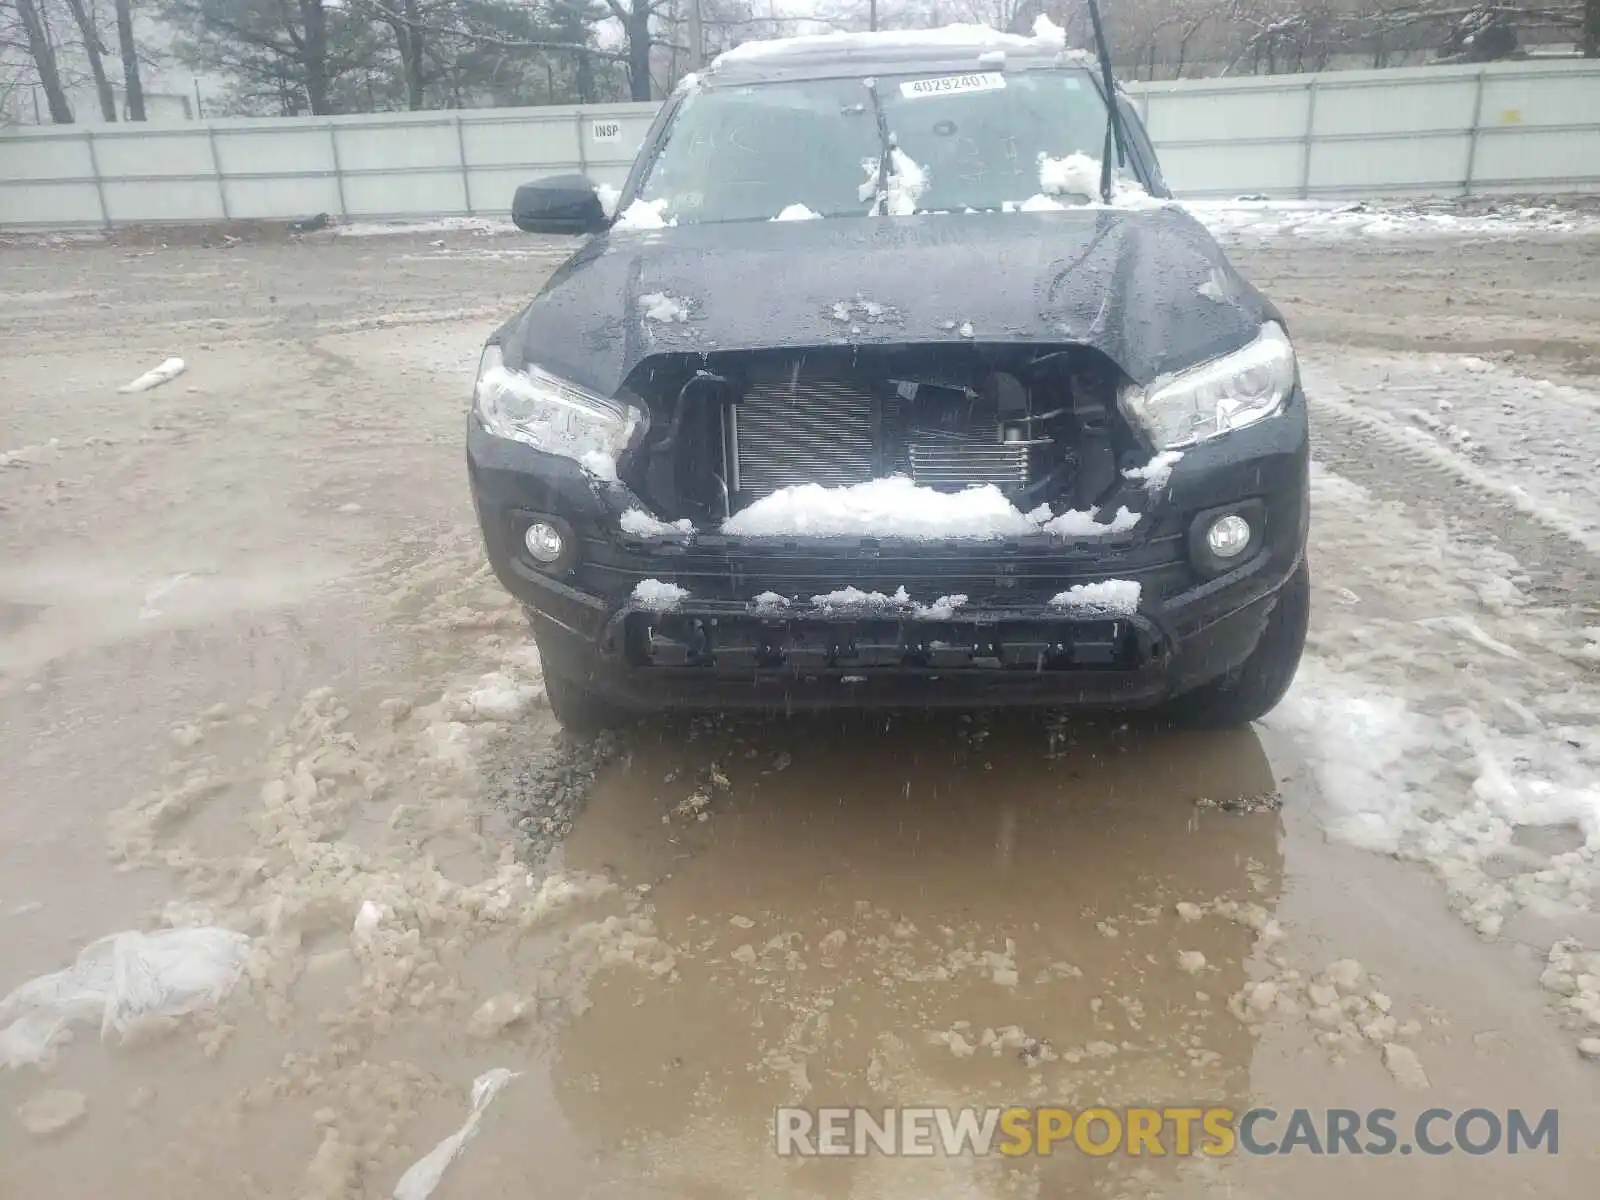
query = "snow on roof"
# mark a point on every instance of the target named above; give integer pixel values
(979, 39)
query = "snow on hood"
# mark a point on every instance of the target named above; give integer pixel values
(1123, 282)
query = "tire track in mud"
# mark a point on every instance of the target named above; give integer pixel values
(1561, 558)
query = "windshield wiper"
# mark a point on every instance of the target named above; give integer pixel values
(1115, 138)
(886, 141)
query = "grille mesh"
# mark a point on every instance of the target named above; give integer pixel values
(819, 431)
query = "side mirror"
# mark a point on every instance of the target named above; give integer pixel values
(560, 204)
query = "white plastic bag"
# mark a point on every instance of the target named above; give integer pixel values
(424, 1175)
(121, 981)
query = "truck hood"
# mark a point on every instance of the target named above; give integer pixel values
(1149, 288)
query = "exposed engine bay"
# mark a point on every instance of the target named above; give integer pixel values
(1039, 424)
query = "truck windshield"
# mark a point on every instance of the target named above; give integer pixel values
(812, 147)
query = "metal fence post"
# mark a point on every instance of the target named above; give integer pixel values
(466, 176)
(216, 165)
(99, 184)
(583, 161)
(1310, 140)
(338, 171)
(1472, 139)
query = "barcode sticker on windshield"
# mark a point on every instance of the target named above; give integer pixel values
(983, 81)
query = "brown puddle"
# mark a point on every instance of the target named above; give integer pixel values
(912, 912)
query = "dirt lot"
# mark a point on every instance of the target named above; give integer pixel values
(253, 674)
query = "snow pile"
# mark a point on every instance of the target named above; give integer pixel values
(663, 307)
(599, 464)
(797, 212)
(608, 196)
(658, 596)
(155, 377)
(942, 609)
(123, 983)
(1108, 597)
(898, 507)
(645, 214)
(1076, 523)
(641, 524)
(1157, 472)
(854, 599)
(770, 602)
(1079, 175)
(1047, 36)
(424, 1175)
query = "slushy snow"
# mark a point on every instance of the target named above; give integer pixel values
(898, 507)
(599, 464)
(1109, 597)
(1079, 175)
(1047, 35)
(658, 596)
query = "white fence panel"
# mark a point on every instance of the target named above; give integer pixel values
(1416, 131)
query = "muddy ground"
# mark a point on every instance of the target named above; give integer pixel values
(254, 674)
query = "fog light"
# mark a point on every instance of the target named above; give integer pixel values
(545, 544)
(1228, 536)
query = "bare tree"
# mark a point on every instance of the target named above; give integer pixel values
(43, 54)
(131, 81)
(94, 50)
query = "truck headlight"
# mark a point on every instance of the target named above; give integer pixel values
(546, 411)
(1226, 393)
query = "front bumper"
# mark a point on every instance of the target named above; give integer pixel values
(1008, 645)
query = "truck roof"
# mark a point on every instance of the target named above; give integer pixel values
(952, 48)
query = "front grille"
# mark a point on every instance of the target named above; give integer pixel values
(799, 429)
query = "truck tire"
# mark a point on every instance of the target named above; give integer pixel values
(578, 709)
(1254, 687)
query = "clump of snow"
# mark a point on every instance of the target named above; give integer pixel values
(797, 212)
(992, 59)
(659, 596)
(898, 507)
(1047, 33)
(645, 214)
(663, 307)
(1111, 597)
(1079, 175)
(966, 330)
(599, 464)
(608, 195)
(121, 983)
(905, 185)
(771, 602)
(1080, 523)
(854, 598)
(1157, 472)
(641, 524)
(1038, 202)
(155, 376)
(942, 609)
